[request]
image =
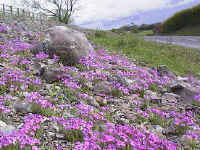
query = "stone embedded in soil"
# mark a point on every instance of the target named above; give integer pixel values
(92, 101)
(22, 106)
(103, 87)
(51, 76)
(6, 129)
(101, 101)
(186, 91)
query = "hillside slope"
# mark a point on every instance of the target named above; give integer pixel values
(187, 31)
(107, 102)
(184, 18)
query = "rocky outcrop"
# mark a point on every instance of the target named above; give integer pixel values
(70, 45)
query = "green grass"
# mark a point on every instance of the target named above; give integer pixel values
(145, 32)
(15, 147)
(37, 109)
(180, 60)
(188, 31)
(157, 120)
(73, 135)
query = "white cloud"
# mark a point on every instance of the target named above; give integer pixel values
(176, 3)
(96, 10)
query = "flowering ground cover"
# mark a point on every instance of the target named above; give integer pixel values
(106, 102)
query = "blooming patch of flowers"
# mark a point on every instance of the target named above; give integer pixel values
(3, 29)
(3, 108)
(37, 98)
(25, 135)
(142, 77)
(114, 136)
(197, 97)
(42, 56)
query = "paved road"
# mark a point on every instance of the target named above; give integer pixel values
(186, 41)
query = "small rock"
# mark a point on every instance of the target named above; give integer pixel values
(103, 87)
(101, 101)
(120, 79)
(55, 126)
(182, 78)
(162, 70)
(152, 97)
(37, 69)
(92, 101)
(60, 136)
(51, 134)
(129, 81)
(186, 91)
(22, 107)
(2, 124)
(157, 129)
(169, 130)
(6, 129)
(68, 115)
(51, 75)
(89, 85)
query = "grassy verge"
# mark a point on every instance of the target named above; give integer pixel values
(146, 32)
(188, 31)
(181, 61)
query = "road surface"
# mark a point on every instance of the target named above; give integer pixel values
(185, 41)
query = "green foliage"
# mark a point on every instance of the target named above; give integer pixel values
(157, 120)
(39, 132)
(99, 33)
(145, 33)
(70, 94)
(73, 135)
(85, 89)
(180, 130)
(187, 31)
(81, 67)
(98, 126)
(141, 93)
(144, 29)
(187, 17)
(108, 116)
(145, 105)
(15, 147)
(140, 119)
(7, 103)
(198, 119)
(3, 89)
(147, 26)
(38, 109)
(116, 93)
(3, 117)
(155, 88)
(192, 144)
(196, 103)
(127, 147)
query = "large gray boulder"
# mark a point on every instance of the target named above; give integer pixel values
(70, 45)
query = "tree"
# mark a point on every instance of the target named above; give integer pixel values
(61, 9)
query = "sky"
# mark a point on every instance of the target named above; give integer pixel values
(108, 14)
